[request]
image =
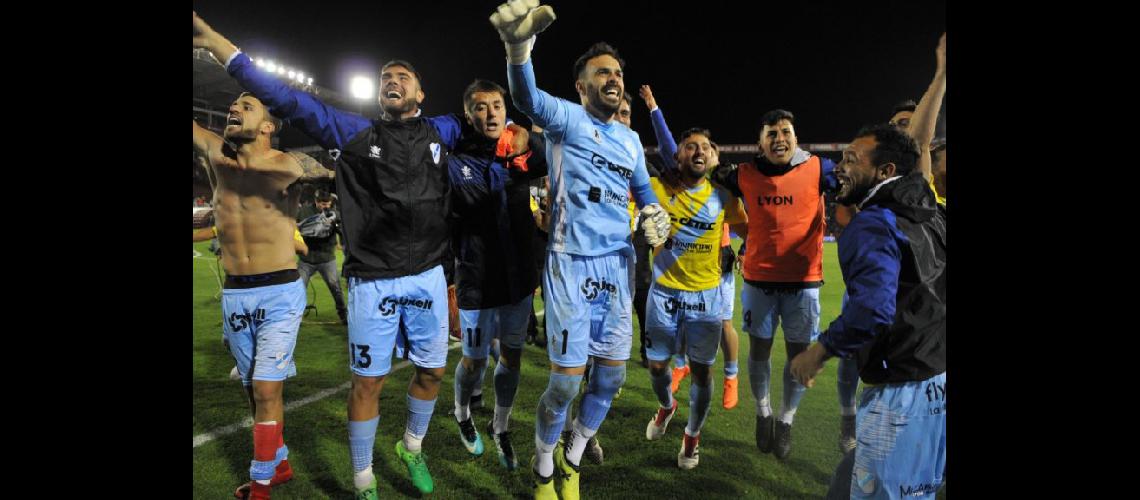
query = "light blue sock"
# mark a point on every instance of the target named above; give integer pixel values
(699, 397)
(604, 384)
(759, 376)
(730, 369)
(661, 388)
(361, 436)
(419, 416)
(506, 385)
(552, 406)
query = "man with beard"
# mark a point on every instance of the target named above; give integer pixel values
(729, 342)
(394, 186)
(783, 262)
(918, 121)
(263, 298)
(685, 300)
(893, 326)
(595, 163)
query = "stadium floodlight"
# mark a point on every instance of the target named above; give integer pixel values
(260, 62)
(310, 81)
(281, 70)
(292, 75)
(361, 87)
(301, 77)
(270, 67)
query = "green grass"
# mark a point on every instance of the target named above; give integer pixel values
(730, 467)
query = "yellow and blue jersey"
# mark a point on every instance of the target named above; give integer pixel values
(690, 258)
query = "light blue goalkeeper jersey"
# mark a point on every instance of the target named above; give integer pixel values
(593, 168)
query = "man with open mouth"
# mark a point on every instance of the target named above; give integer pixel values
(783, 192)
(595, 164)
(263, 298)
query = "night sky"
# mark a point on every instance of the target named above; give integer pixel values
(711, 64)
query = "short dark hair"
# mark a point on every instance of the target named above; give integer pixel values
(696, 131)
(894, 146)
(597, 49)
(907, 105)
(405, 64)
(323, 196)
(628, 98)
(774, 116)
(481, 85)
(277, 123)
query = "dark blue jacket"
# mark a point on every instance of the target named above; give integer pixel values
(893, 258)
(494, 231)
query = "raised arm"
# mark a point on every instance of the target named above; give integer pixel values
(518, 21)
(925, 118)
(330, 127)
(666, 146)
(205, 140)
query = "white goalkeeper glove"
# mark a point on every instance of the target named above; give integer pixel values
(517, 22)
(655, 222)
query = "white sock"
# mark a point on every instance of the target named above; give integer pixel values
(412, 443)
(764, 408)
(579, 438)
(787, 416)
(544, 454)
(462, 412)
(363, 478)
(846, 411)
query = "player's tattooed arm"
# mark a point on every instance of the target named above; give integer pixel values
(311, 169)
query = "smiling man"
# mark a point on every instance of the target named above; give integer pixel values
(685, 302)
(893, 326)
(595, 162)
(783, 262)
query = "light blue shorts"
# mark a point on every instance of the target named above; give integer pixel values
(507, 323)
(763, 310)
(901, 436)
(589, 310)
(408, 313)
(680, 316)
(260, 325)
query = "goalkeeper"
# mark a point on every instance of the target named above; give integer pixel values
(595, 162)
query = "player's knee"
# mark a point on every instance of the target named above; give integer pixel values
(795, 348)
(761, 349)
(606, 380)
(658, 368)
(266, 393)
(511, 357)
(561, 389)
(430, 376)
(474, 365)
(367, 387)
(700, 373)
